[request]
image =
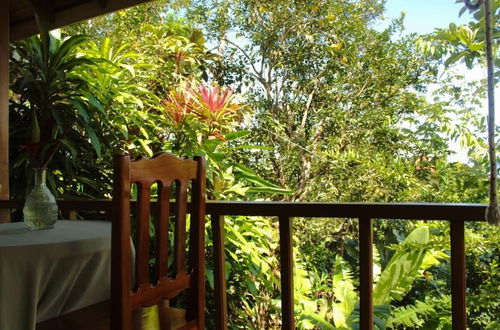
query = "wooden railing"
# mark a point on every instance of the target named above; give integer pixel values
(456, 214)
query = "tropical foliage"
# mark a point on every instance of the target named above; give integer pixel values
(53, 109)
(291, 101)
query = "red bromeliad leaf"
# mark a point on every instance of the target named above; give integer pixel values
(32, 148)
(40, 153)
(177, 105)
(218, 136)
(212, 97)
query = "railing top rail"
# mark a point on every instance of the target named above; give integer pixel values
(409, 211)
(420, 211)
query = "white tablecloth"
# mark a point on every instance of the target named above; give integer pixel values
(52, 272)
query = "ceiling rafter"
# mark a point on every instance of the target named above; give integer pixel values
(58, 13)
(43, 11)
(102, 3)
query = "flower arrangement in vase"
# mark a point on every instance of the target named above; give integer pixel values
(57, 110)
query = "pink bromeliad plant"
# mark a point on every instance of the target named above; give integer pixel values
(212, 107)
(217, 104)
(178, 104)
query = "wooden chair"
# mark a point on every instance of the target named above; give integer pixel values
(163, 169)
(126, 301)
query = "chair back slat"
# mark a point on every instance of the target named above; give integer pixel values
(162, 235)
(164, 169)
(143, 216)
(180, 228)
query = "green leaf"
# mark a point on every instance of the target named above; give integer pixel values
(380, 314)
(56, 114)
(129, 68)
(236, 135)
(475, 46)
(210, 277)
(324, 324)
(94, 140)
(105, 49)
(68, 46)
(35, 128)
(344, 294)
(454, 58)
(408, 316)
(250, 175)
(81, 110)
(401, 270)
(71, 64)
(210, 145)
(93, 101)
(145, 146)
(69, 146)
(130, 98)
(462, 11)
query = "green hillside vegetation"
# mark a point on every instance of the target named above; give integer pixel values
(288, 101)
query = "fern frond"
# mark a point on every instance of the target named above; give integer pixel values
(409, 316)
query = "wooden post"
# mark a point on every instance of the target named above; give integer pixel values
(286, 262)
(4, 107)
(219, 272)
(366, 273)
(458, 279)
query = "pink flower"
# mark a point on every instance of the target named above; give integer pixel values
(213, 99)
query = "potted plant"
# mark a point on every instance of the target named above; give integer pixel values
(55, 109)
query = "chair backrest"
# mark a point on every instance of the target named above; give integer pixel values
(163, 169)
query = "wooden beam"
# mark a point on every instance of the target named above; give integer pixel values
(219, 272)
(102, 3)
(366, 273)
(68, 15)
(458, 275)
(286, 269)
(4, 107)
(43, 11)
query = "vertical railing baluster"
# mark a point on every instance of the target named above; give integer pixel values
(72, 215)
(458, 280)
(220, 272)
(69, 214)
(366, 273)
(286, 261)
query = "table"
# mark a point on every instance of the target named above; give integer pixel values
(51, 272)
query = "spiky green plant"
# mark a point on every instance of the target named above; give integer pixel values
(51, 107)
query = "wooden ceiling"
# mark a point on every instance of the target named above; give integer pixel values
(57, 13)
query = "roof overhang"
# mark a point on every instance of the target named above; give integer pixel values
(58, 13)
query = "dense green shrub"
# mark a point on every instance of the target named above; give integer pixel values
(327, 109)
